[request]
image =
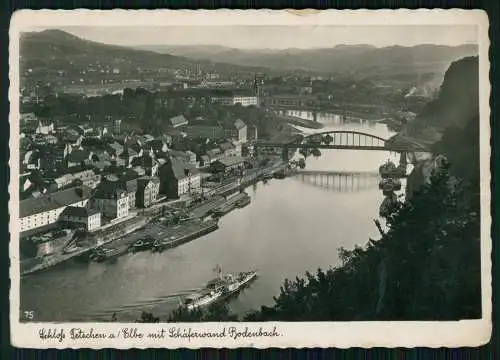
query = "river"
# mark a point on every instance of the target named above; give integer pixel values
(290, 227)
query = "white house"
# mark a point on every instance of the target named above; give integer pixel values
(111, 200)
(46, 209)
(89, 218)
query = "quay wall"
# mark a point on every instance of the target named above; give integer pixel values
(97, 239)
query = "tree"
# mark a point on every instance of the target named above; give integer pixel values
(147, 317)
(215, 312)
(327, 139)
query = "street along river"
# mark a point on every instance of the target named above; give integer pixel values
(291, 226)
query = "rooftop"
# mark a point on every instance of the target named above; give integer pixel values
(77, 156)
(231, 160)
(79, 211)
(178, 120)
(182, 170)
(53, 201)
(109, 190)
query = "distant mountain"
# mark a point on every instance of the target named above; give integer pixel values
(57, 49)
(341, 58)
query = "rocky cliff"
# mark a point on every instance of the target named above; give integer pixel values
(450, 125)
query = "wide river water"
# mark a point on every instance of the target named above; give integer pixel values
(291, 226)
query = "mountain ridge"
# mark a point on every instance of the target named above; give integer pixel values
(340, 58)
(55, 48)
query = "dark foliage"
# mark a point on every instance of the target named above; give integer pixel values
(215, 312)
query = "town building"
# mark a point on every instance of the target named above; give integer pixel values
(157, 146)
(147, 191)
(74, 129)
(228, 164)
(212, 132)
(178, 121)
(184, 156)
(72, 137)
(27, 118)
(44, 139)
(61, 181)
(114, 149)
(79, 157)
(176, 136)
(127, 181)
(117, 123)
(31, 160)
(244, 97)
(229, 149)
(60, 152)
(147, 162)
(46, 209)
(45, 127)
(178, 178)
(214, 154)
(111, 200)
(89, 218)
(204, 161)
(236, 131)
(291, 101)
(86, 177)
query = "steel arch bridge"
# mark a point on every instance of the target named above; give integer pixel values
(339, 139)
(345, 139)
(335, 139)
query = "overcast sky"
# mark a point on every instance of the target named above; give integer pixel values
(280, 37)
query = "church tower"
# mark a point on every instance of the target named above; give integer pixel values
(256, 89)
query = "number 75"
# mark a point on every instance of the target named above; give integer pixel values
(29, 315)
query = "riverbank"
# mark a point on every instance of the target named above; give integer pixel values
(30, 266)
(122, 235)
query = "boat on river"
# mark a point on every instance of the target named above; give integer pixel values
(105, 254)
(146, 243)
(280, 174)
(174, 240)
(243, 202)
(203, 298)
(219, 289)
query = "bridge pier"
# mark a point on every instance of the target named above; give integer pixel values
(403, 160)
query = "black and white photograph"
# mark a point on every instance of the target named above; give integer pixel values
(295, 172)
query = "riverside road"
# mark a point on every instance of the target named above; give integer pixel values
(289, 227)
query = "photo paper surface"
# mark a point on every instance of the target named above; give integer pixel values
(252, 178)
